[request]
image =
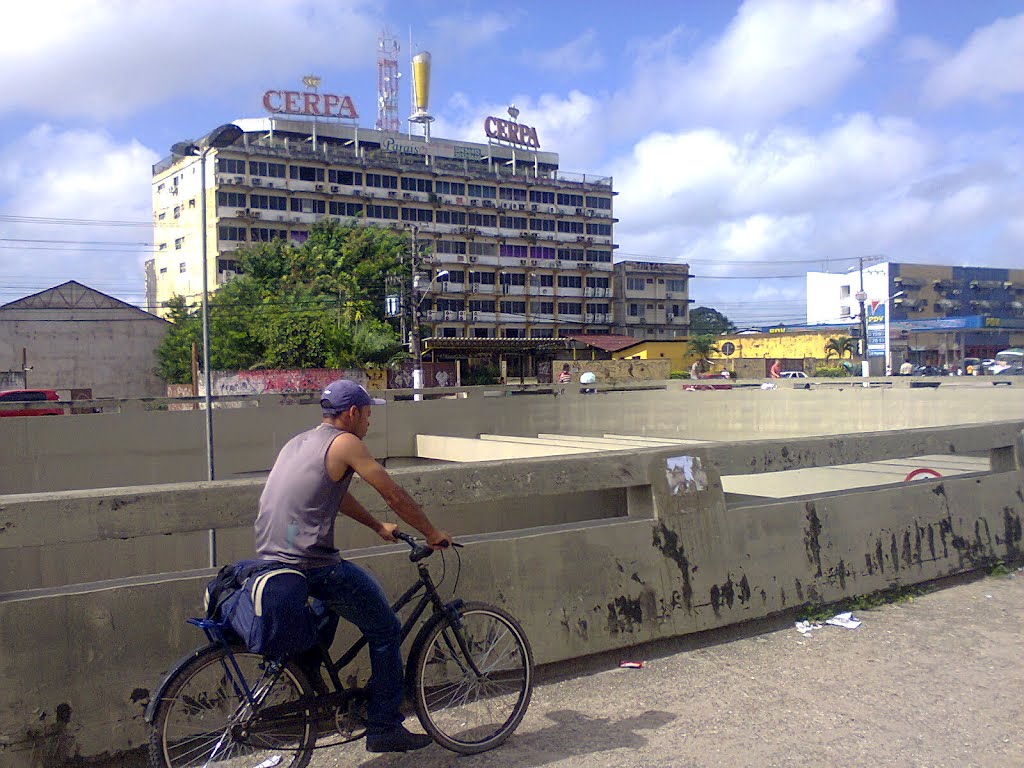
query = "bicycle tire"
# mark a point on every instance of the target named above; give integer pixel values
(202, 712)
(461, 712)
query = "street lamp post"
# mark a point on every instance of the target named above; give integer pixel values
(414, 306)
(861, 297)
(218, 138)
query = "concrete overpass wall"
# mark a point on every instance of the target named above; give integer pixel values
(136, 446)
(674, 559)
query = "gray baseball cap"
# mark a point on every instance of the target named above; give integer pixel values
(340, 395)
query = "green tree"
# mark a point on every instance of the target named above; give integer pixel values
(315, 304)
(702, 345)
(840, 346)
(705, 320)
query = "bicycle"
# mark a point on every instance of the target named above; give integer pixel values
(470, 671)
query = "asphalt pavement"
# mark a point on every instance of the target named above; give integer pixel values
(934, 682)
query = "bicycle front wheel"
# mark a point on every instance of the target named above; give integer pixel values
(205, 718)
(472, 683)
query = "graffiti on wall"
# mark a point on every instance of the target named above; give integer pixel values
(434, 375)
(280, 382)
(617, 371)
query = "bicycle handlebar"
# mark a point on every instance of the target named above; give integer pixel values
(417, 551)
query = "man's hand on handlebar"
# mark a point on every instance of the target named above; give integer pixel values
(439, 540)
(387, 531)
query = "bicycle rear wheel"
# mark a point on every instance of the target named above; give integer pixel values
(204, 717)
(472, 704)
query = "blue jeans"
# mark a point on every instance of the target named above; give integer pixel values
(356, 596)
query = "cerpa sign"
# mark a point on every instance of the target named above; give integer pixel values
(513, 133)
(309, 104)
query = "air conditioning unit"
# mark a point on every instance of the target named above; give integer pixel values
(524, 234)
(588, 291)
(533, 207)
(522, 206)
(173, 190)
(296, 218)
(588, 318)
(475, 287)
(281, 217)
(357, 193)
(460, 201)
(256, 214)
(241, 212)
(552, 209)
(505, 206)
(579, 211)
(392, 193)
(257, 182)
(474, 202)
(239, 179)
(488, 203)
(462, 315)
(474, 316)
(580, 239)
(533, 262)
(460, 257)
(668, 295)
(406, 196)
(229, 273)
(447, 314)
(522, 262)
(334, 188)
(472, 259)
(270, 184)
(590, 212)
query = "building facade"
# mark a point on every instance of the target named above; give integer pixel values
(508, 246)
(924, 313)
(74, 337)
(651, 299)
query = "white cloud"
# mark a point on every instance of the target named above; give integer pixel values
(116, 57)
(82, 175)
(581, 54)
(990, 65)
(466, 31)
(775, 56)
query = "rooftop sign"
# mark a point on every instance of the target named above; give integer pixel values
(513, 133)
(309, 104)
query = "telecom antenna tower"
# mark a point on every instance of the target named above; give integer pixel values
(387, 81)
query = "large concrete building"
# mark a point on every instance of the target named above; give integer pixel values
(512, 246)
(925, 313)
(72, 337)
(651, 299)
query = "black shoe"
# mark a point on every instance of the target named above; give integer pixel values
(397, 740)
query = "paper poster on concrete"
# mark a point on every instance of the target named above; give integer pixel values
(685, 474)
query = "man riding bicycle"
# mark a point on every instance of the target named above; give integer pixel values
(307, 487)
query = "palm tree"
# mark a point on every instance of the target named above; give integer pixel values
(702, 346)
(840, 347)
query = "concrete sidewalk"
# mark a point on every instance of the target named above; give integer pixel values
(933, 682)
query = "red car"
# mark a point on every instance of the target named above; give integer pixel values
(29, 396)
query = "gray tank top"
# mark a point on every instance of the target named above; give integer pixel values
(299, 504)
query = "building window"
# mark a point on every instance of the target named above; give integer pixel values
(451, 217)
(481, 333)
(542, 225)
(514, 251)
(575, 201)
(269, 202)
(482, 190)
(570, 227)
(844, 291)
(481, 305)
(675, 285)
(163, 270)
(597, 282)
(181, 267)
(178, 242)
(634, 310)
(381, 181)
(265, 234)
(162, 247)
(350, 178)
(542, 333)
(570, 281)
(634, 284)
(512, 193)
(177, 211)
(417, 214)
(162, 215)
(513, 278)
(604, 230)
(546, 281)
(382, 211)
(541, 252)
(539, 196)
(570, 308)
(308, 205)
(514, 307)
(602, 256)
(450, 246)
(512, 222)
(486, 278)
(570, 254)
(232, 233)
(597, 309)
(546, 308)
(483, 249)
(483, 220)
(231, 200)
(604, 203)
(227, 165)
(450, 188)
(306, 173)
(412, 184)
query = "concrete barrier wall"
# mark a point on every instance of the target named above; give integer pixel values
(138, 447)
(677, 559)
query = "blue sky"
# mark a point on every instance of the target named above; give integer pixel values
(755, 140)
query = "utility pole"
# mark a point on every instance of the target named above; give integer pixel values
(861, 297)
(414, 329)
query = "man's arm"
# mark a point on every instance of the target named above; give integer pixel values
(349, 451)
(350, 507)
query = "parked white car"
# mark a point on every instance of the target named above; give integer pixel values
(793, 375)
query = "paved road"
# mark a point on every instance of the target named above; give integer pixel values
(935, 682)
